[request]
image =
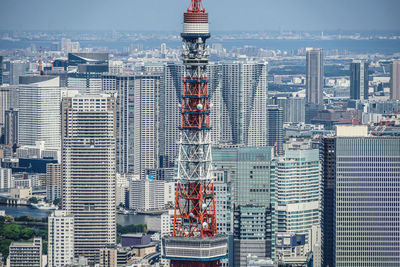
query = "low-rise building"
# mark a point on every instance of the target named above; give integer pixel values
(21, 192)
(27, 254)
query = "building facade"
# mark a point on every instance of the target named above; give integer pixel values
(53, 181)
(327, 155)
(123, 85)
(170, 113)
(251, 172)
(11, 125)
(395, 80)
(39, 115)
(275, 128)
(60, 250)
(298, 193)
(293, 108)
(25, 254)
(366, 214)
(88, 171)
(244, 103)
(145, 194)
(314, 76)
(5, 178)
(146, 123)
(359, 80)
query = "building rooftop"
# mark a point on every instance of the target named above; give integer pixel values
(134, 235)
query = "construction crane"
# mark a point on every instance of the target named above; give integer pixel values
(385, 122)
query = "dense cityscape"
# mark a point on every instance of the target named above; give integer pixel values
(199, 148)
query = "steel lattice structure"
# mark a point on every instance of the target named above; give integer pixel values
(194, 240)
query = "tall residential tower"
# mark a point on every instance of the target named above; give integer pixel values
(88, 170)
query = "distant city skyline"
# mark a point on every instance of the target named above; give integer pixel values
(255, 15)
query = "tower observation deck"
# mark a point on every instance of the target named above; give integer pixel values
(194, 240)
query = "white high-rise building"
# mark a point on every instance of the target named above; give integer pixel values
(146, 123)
(60, 250)
(5, 178)
(85, 82)
(298, 193)
(123, 86)
(244, 96)
(214, 75)
(238, 104)
(39, 113)
(88, 169)
(145, 194)
(170, 112)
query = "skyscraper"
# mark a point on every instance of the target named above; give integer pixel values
(60, 250)
(138, 120)
(11, 125)
(170, 99)
(327, 152)
(251, 172)
(359, 80)
(366, 213)
(169, 103)
(315, 76)
(123, 86)
(17, 68)
(1, 70)
(293, 108)
(275, 128)
(244, 96)
(39, 115)
(214, 75)
(88, 169)
(395, 80)
(146, 123)
(8, 99)
(298, 193)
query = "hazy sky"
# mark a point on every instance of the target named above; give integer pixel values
(166, 15)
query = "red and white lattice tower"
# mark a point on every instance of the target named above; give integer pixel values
(194, 240)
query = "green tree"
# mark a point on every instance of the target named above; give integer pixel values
(42, 233)
(2, 221)
(27, 233)
(12, 231)
(4, 245)
(33, 200)
(57, 201)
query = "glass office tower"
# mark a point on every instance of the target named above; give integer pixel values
(367, 201)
